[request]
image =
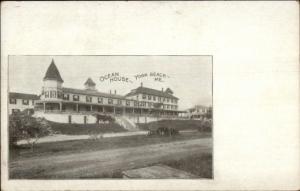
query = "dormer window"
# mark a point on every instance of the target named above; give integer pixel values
(144, 96)
(149, 97)
(100, 100)
(110, 101)
(127, 103)
(59, 95)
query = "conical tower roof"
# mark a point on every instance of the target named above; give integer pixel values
(89, 82)
(53, 73)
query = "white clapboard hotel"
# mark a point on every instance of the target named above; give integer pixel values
(69, 105)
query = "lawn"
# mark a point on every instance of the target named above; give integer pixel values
(176, 124)
(77, 146)
(85, 129)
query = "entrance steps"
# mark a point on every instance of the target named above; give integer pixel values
(126, 123)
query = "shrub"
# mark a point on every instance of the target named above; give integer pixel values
(23, 126)
(205, 126)
(164, 131)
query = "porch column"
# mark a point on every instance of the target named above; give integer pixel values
(60, 106)
(124, 110)
(77, 107)
(91, 108)
(44, 106)
(114, 110)
(103, 110)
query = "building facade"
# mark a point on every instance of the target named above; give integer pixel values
(61, 104)
(20, 101)
(197, 112)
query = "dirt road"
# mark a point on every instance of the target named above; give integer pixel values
(96, 163)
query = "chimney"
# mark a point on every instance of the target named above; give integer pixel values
(141, 84)
(162, 89)
(115, 91)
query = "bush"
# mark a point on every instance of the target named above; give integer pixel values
(205, 126)
(164, 131)
(23, 126)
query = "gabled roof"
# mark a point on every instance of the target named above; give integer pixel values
(91, 93)
(15, 95)
(169, 91)
(90, 82)
(53, 73)
(150, 91)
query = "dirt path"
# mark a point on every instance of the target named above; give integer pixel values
(93, 164)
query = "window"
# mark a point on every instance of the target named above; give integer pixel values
(149, 97)
(100, 100)
(52, 94)
(144, 96)
(168, 100)
(119, 102)
(75, 97)
(127, 102)
(142, 104)
(25, 101)
(88, 99)
(135, 103)
(12, 101)
(164, 99)
(66, 96)
(159, 99)
(32, 102)
(110, 101)
(46, 94)
(154, 98)
(149, 104)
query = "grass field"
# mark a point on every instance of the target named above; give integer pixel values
(176, 124)
(108, 157)
(188, 155)
(85, 129)
(199, 164)
(76, 146)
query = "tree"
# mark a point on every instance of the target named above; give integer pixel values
(208, 114)
(22, 126)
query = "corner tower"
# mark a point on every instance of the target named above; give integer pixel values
(52, 88)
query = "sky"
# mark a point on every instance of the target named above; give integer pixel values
(189, 77)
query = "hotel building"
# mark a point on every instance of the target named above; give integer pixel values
(69, 105)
